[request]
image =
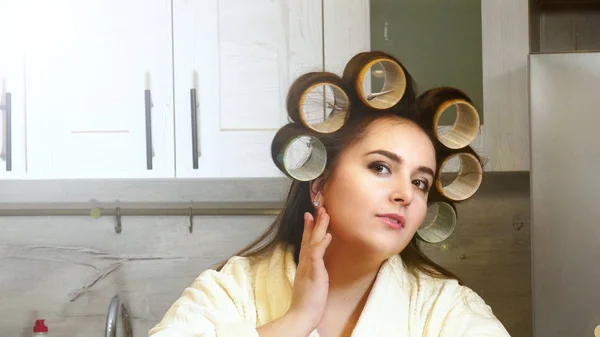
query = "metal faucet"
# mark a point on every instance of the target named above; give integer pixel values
(111, 318)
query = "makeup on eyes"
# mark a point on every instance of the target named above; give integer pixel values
(398, 160)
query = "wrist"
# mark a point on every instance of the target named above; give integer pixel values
(289, 325)
(299, 323)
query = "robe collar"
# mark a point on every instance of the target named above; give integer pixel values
(385, 313)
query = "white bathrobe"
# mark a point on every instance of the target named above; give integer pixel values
(247, 293)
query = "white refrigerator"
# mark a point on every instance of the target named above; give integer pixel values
(565, 193)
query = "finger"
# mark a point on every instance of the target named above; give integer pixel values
(308, 228)
(326, 241)
(320, 228)
(319, 250)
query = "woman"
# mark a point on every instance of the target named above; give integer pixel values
(351, 269)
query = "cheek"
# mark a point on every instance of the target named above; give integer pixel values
(348, 196)
(418, 213)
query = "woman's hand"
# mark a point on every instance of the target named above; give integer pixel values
(311, 284)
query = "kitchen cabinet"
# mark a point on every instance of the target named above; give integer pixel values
(99, 89)
(12, 121)
(155, 88)
(234, 63)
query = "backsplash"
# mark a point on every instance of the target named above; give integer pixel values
(66, 269)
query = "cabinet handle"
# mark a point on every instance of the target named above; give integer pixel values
(194, 111)
(148, 105)
(8, 134)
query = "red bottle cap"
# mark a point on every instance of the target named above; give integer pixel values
(40, 327)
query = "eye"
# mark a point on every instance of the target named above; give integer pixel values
(379, 168)
(422, 184)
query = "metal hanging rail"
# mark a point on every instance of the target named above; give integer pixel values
(120, 212)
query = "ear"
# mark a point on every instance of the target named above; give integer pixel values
(316, 188)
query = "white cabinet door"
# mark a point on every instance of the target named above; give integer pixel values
(241, 57)
(12, 92)
(90, 67)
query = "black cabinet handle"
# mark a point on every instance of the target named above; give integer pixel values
(148, 106)
(194, 111)
(8, 135)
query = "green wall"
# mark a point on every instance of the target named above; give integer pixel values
(438, 41)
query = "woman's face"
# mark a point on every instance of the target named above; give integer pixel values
(376, 196)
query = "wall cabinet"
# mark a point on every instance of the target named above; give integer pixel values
(12, 121)
(154, 88)
(196, 89)
(99, 89)
(236, 59)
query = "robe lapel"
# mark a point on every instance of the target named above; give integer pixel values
(387, 309)
(386, 312)
(282, 270)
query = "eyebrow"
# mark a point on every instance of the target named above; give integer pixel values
(394, 157)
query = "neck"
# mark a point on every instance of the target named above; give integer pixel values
(350, 269)
(351, 277)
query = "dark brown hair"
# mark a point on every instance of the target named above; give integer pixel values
(288, 227)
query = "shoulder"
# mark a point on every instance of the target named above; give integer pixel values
(449, 293)
(457, 310)
(235, 275)
(238, 275)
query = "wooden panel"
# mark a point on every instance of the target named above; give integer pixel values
(588, 31)
(505, 46)
(66, 270)
(566, 28)
(558, 32)
(490, 250)
(534, 26)
(568, 2)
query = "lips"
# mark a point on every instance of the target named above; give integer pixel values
(393, 220)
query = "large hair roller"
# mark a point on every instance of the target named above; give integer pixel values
(436, 102)
(322, 103)
(396, 81)
(319, 101)
(298, 152)
(468, 178)
(440, 222)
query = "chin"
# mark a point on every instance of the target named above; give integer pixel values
(386, 245)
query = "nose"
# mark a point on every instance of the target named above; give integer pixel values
(402, 191)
